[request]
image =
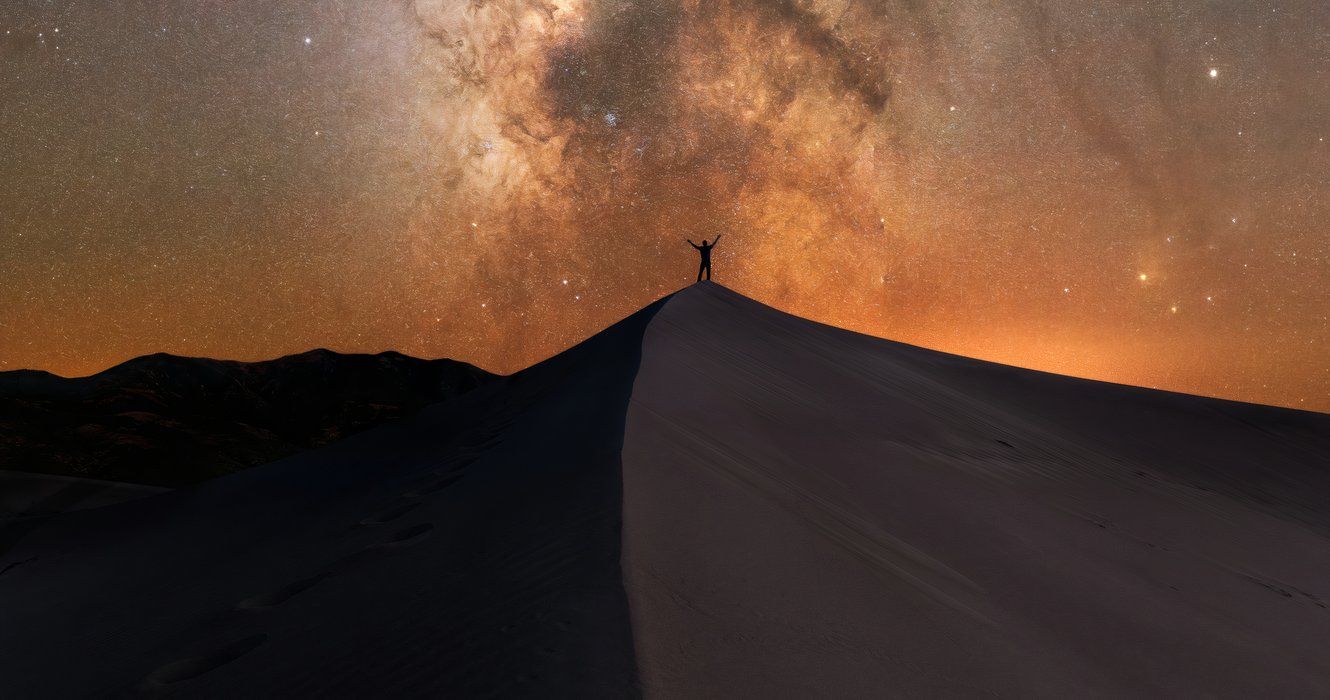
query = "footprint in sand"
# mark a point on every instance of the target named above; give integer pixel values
(454, 464)
(407, 536)
(390, 515)
(402, 538)
(484, 443)
(436, 485)
(186, 669)
(15, 565)
(281, 595)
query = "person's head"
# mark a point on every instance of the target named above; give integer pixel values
(705, 241)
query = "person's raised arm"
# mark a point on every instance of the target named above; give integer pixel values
(713, 243)
(691, 243)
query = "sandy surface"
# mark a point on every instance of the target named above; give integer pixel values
(765, 507)
(814, 513)
(26, 495)
(469, 551)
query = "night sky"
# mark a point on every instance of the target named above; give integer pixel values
(1137, 192)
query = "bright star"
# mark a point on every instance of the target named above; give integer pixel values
(308, 41)
(1214, 72)
(1142, 277)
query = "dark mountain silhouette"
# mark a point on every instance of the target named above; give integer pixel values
(714, 499)
(167, 420)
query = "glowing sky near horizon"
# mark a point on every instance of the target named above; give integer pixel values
(1135, 192)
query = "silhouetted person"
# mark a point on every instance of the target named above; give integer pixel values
(705, 251)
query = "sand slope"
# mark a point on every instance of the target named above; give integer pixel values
(811, 512)
(714, 499)
(24, 495)
(471, 550)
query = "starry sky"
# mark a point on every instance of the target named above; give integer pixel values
(1135, 192)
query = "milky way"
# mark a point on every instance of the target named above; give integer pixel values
(1132, 192)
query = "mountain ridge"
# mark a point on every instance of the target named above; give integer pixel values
(168, 420)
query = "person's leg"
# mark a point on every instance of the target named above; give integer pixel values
(708, 270)
(700, 268)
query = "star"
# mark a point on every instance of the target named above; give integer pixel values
(519, 125)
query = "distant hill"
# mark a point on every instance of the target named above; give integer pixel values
(168, 420)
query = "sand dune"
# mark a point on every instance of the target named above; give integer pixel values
(714, 499)
(811, 512)
(24, 495)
